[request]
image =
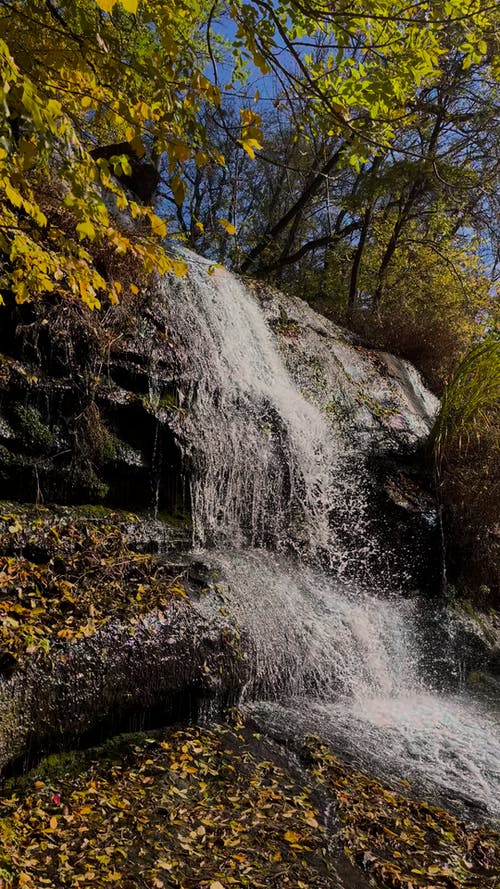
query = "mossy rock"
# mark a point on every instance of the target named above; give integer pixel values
(33, 434)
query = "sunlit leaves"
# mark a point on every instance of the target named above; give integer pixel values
(228, 226)
(184, 808)
(128, 5)
(373, 57)
(250, 145)
(115, 71)
(90, 88)
(86, 230)
(90, 576)
(251, 132)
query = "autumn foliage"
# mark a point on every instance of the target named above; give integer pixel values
(97, 72)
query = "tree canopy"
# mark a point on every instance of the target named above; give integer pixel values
(346, 93)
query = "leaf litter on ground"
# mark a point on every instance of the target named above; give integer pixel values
(65, 572)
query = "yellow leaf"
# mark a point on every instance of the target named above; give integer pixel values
(250, 146)
(130, 5)
(178, 189)
(230, 228)
(53, 822)
(179, 151)
(13, 195)
(106, 5)
(28, 151)
(291, 836)
(86, 230)
(137, 145)
(163, 864)
(158, 226)
(179, 268)
(216, 885)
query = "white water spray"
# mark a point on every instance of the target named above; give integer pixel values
(268, 469)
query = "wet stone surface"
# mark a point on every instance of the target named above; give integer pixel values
(94, 633)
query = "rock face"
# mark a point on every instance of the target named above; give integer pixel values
(382, 408)
(268, 435)
(176, 665)
(87, 412)
(100, 409)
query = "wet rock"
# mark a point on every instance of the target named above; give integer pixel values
(494, 662)
(170, 665)
(102, 415)
(380, 401)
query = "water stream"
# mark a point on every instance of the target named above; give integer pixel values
(279, 499)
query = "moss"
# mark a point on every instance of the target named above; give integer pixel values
(86, 480)
(483, 621)
(177, 520)
(97, 511)
(34, 434)
(468, 607)
(169, 402)
(107, 447)
(7, 458)
(476, 678)
(378, 410)
(285, 325)
(338, 410)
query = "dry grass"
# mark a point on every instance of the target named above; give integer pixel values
(466, 441)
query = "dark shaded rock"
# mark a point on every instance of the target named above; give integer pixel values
(170, 665)
(85, 422)
(494, 662)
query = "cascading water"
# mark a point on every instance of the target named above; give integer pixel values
(273, 481)
(261, 467)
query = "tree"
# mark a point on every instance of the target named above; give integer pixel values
(76, 75)
(405, 245)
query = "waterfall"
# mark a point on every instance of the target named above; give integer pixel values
(278, 494)
(267, 467)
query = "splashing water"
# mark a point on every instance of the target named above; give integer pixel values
(268, 470)
(264, 458)
(345, 664)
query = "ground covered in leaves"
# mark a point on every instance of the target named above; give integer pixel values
(192, 808)
(404, 843)
(199, 808)
(189, 808)
(64, 572)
